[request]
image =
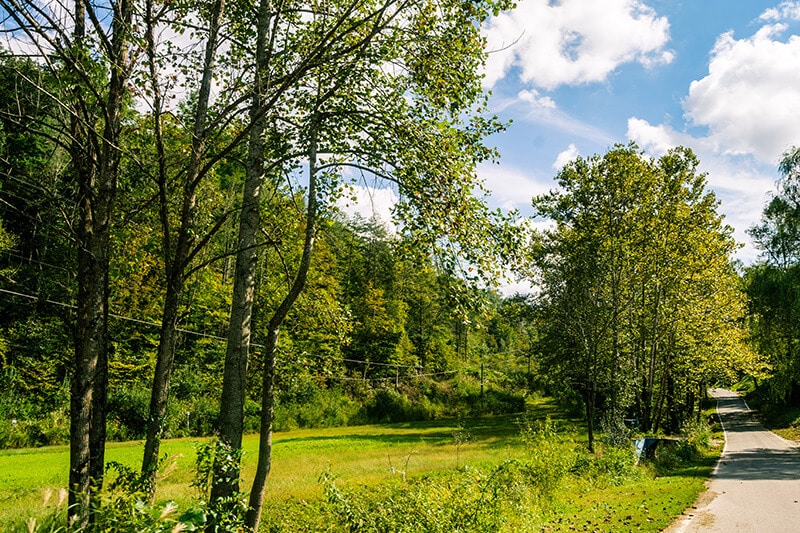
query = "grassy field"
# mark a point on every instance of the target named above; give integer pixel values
(30, 479)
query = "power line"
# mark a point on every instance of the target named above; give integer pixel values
(119, 317)
(215, 337)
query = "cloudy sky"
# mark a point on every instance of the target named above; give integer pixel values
(578, 76)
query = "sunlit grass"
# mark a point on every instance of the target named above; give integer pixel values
(363, 454)
(369, 455)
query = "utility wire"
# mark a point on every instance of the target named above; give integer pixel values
(213, 337)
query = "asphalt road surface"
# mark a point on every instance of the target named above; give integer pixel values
(756, 484)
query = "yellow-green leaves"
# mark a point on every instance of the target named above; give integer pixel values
(644, 306)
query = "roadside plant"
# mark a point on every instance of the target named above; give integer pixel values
(548, 459)
(695, 439)
(228, 513)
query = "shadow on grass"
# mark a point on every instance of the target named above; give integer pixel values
(439, 432)
(483, 431)
(701, 467)
(488, 428)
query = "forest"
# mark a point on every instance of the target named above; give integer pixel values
(175, 257)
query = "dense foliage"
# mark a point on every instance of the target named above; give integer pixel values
(773, 289)
(640, 305)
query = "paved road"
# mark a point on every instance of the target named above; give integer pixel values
(756, 485)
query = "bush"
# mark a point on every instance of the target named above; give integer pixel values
(615, 464)
(122, 507)
(695, 440)
(389, 406)
(463, 501)
(128, 408)
(319, 407)
(549, 457)
(49, 430)
(193, 417)
(429, 400)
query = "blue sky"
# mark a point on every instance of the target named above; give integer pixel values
(577, 76)
(721, 77)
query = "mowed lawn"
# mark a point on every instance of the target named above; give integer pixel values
(362, 454)
(30, 479)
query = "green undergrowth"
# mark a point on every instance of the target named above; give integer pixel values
(781, 419)
(527, 472)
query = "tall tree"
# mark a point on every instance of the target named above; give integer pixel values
(778, 233)
(88, 52)
(405, 124)
(634, 275)
(182, 240)
(773, 285)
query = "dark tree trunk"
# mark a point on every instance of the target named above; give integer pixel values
(159, 393)
(234, 383)
(591, 401)
(268, 391)
(178, 258)
(95, 158)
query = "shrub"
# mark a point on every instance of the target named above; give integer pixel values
(462, 501)
(549, 458)
(51, 429)
(615, 464)
(320, 407)
(193, 417)
(388, 406)
(122, 507)
(695, 439)
(128, 408)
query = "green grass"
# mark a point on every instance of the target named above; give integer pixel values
(364, 454)
(372, 455)
(650, 502)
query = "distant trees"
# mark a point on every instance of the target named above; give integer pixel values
(640, 304)
(773, 285)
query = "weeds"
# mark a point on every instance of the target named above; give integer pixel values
(461, 435)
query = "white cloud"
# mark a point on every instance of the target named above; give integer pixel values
(750, 99)
(370, 203)
(570, 154)
(784, 11)
(749, 103)
(574, 41)
(511, 188)
(535, 100)
(656, 140)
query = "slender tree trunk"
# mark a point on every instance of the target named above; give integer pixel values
(268, 391)
(234, 385)
(161, 378)
(177, 258)
(650, 418)
(591, 399)
(96, 161)
(90, 312)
